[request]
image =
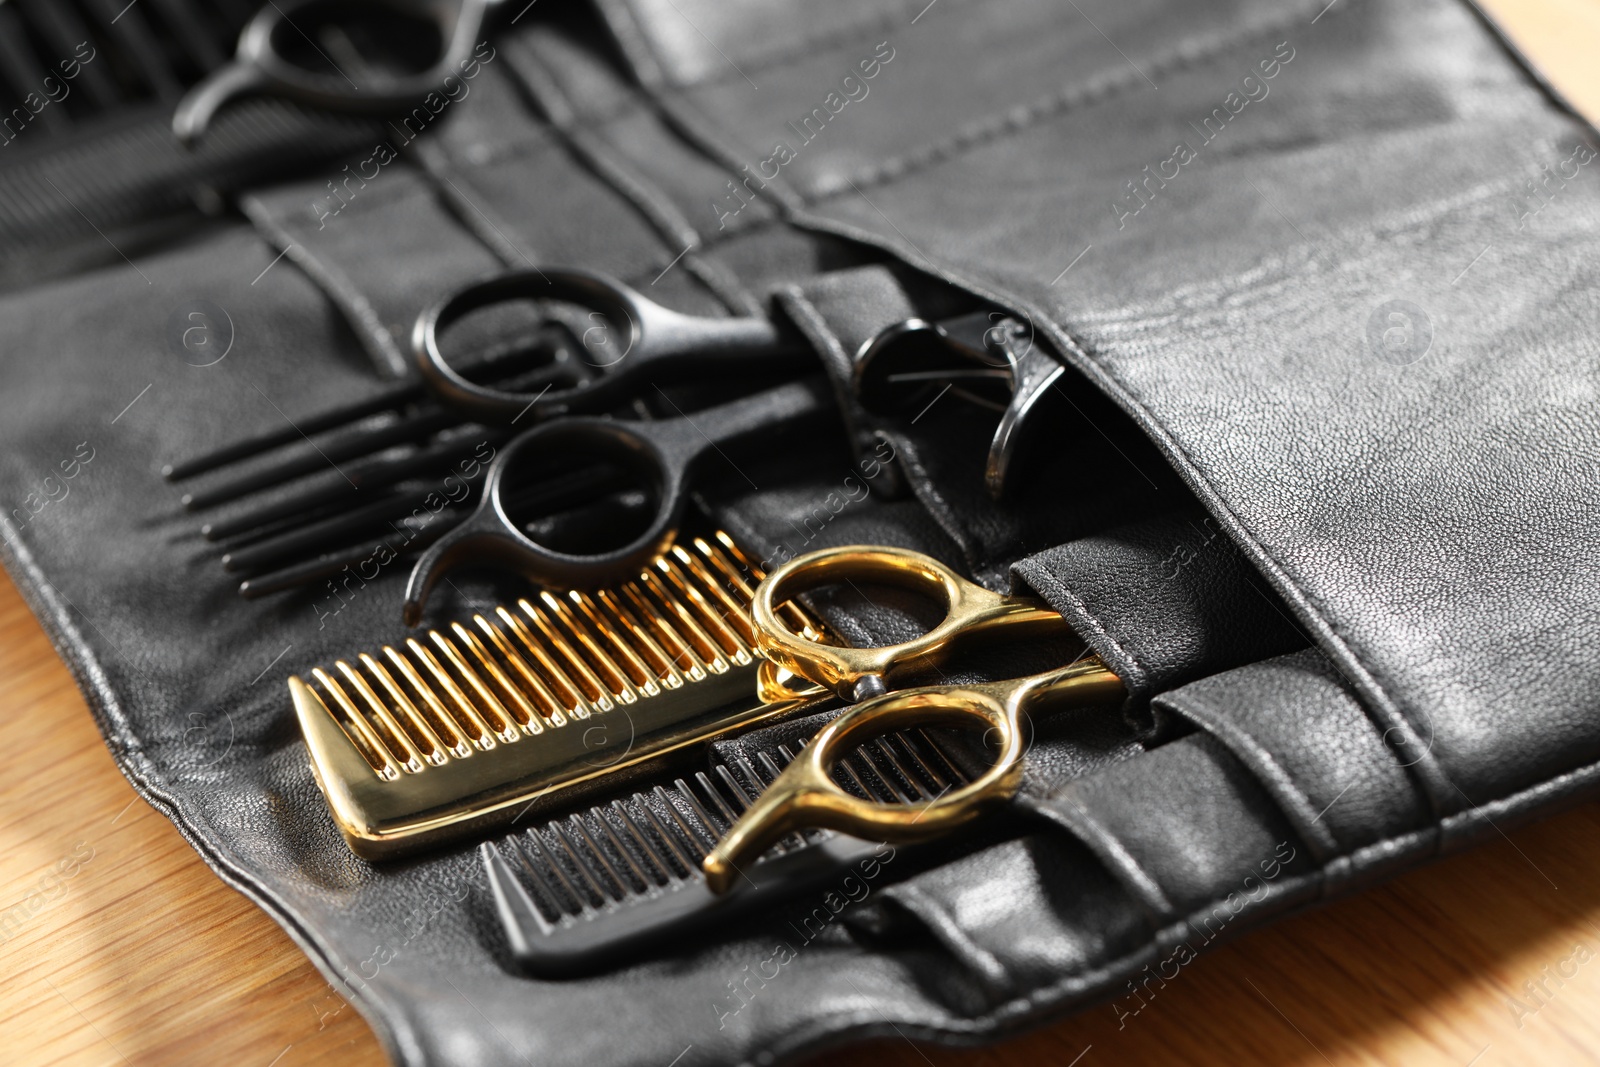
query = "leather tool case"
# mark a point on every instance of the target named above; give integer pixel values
(1319, 481)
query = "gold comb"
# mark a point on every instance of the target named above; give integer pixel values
(543, 703)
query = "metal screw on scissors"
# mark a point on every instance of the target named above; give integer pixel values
(264, 62)
(805, 794)
(665, 456)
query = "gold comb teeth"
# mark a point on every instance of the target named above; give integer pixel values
(542, 703)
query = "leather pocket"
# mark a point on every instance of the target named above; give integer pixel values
(1371, 380)
(1162, 602)
(1297, 725)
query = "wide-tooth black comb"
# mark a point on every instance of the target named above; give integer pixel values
(599, 888)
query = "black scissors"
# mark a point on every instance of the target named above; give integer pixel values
(285, 50)
(987, 357)
(651, 343)
(664, 456)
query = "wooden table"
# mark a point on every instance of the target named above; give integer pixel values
(130, 951)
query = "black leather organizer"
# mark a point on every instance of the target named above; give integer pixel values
(1348, 574)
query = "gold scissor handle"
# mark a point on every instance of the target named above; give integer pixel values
(805, 794)
(968, 608)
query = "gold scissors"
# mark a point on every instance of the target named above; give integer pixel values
(805, 794)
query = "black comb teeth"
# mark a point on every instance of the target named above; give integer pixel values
(574, 894)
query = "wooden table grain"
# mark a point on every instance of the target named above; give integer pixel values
(119, 946)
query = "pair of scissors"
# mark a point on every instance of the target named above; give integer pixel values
(653, 345)
(805, 795)
(285, 50)
(987, 357)
(627, 339)
(664, 456)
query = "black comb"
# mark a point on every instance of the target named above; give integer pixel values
(598, 888)
(324, 491)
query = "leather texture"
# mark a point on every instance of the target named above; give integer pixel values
(1240, 311)
(1163, 602)
(1299, 728)
(1318, 480)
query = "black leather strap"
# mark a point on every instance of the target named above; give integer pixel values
(1296, 724)
(382, 249)
(1162, 602)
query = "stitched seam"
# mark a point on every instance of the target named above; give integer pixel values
(326, 274)
(1202, 298)
(1121, 393)
(811, 322)
(1031, 569)
(1380, 679)
(1015, 120)
(647, 198)
(722, 283)
(1093, 835)
(754, 229)
(599, 156)
(1427, 768)
(925, 490)
(1181, 55)
(859, 423)
(611, 166)
(1084, 981)
(809, 1035)
(949, 930)
(806, 48)
(1231, 735)
(731, 292)
(483, 223)
(625, 179)
(393, 1027)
